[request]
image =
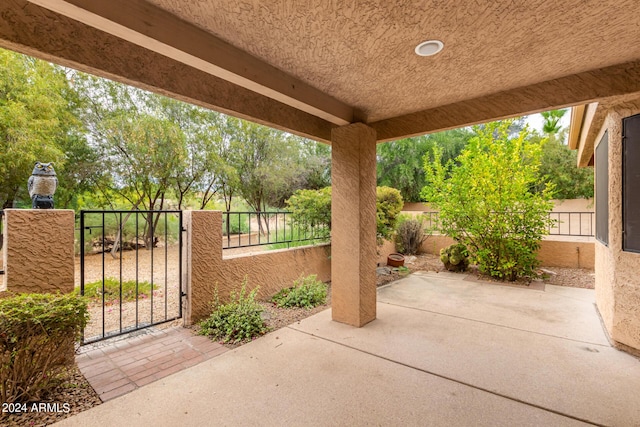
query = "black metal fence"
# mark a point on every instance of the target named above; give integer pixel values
(564, 223)
(278, 229)
(572, 224)
(130, 269)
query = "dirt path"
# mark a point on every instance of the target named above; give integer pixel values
(162, 270)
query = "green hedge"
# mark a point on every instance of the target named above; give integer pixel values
(37, 337)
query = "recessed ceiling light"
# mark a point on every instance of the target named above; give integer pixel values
(428, 48)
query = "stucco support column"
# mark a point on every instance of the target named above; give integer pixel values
(203, 263)
(353, 224)
(38, 251)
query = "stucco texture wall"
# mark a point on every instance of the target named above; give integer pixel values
(353, 224)
(206, 269)
(617, 278)
(570, 254)
(38, 251)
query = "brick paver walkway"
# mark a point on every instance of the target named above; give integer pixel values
(118, 366)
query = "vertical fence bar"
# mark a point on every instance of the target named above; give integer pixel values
(103, 331)
(120, 257)
(166, 264)
(180, 235)
(152, 235)
(228, 230)
(137, 267)
(82, 266)
(580, 222)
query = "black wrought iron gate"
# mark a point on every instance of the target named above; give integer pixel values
(130, 270)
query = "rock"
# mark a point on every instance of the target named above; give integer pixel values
(549, 272)
(383, 271)
(410, 259)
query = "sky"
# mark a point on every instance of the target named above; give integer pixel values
(535, 121)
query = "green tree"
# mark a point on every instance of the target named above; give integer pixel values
(36, 121)
(485, 200)
(552, 119)
(400, 163)
(559, 163)
(559, 167)
(266, 163)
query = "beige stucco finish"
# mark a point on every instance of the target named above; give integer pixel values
(553, 253)
(206, 269)
(617, 279)
(38, 250)
(353, 224)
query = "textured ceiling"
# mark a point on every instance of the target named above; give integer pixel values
(308, 67)
(361, 52)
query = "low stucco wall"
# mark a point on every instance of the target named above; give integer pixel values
(552, 253)
(38, 251)
(206, 269)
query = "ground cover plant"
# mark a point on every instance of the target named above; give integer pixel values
(94, 290)
(306, 292)
(37, 337)
(237, 321)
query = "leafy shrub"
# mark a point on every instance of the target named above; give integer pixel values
(237, 321)
(455, 257)
(37, 336)
(486, 199)
(409, 235)
(306, 292)
(313, 207)
(237, 224)
(388, 207)
(93, 290)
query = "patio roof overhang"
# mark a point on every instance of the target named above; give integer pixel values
(309, 67)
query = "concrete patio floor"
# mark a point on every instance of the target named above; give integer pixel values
(443, 351)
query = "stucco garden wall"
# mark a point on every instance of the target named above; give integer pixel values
(552, 253)
(38, 251)
(617, 271)
(206, 268)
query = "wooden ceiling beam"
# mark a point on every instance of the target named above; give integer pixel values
(157, 30)
(559, 93)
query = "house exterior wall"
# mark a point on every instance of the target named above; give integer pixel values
(617, 278)
(38, 251)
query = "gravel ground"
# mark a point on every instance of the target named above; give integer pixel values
(572, 277)
(77, 392)
(166, 297)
